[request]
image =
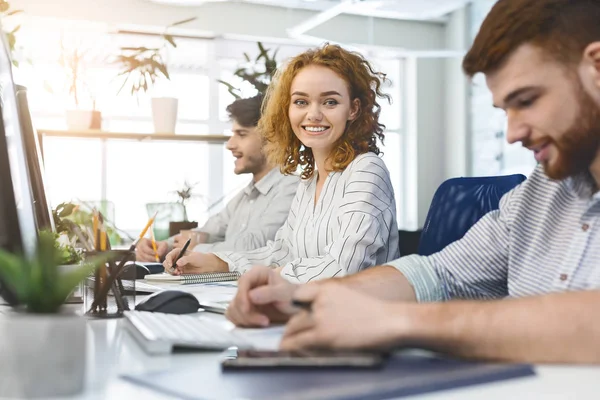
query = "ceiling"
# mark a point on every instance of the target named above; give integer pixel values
(395, 9)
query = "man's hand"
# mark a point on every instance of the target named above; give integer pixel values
(145, 253)
(193, 263)
(263, 297)
(341, 318)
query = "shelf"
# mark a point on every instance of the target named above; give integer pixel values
(97, 134)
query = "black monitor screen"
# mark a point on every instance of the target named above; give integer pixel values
(17, 219)
(35, 164)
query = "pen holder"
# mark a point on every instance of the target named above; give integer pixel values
(111, 289)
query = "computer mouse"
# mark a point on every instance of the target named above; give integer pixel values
(170, 302)
(141, 271)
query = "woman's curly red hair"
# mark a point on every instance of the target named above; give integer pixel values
(283, 148)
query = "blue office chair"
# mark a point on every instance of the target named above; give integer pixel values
(458, 204)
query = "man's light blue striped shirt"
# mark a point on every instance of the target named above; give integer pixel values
(545, 237)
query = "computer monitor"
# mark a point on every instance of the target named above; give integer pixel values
(18, 231)
(35, 164)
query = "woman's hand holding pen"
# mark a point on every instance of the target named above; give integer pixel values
(193, 263)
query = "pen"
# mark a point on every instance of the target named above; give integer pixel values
(154, 245)
(305, 305)
(181, 253)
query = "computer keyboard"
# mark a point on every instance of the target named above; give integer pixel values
(159, 333)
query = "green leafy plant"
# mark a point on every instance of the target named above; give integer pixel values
(39, 284)
(142, 66)
(60, 214)
(5, 14)
(76, 220)
(258, 72)
(69, 255)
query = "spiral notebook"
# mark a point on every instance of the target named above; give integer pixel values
(185, 279)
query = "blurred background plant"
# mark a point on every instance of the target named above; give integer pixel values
(76, 222)
(258, 71)
(10, 28)
(73, 61)
(68, 254)
(185, 195)
(142, 66)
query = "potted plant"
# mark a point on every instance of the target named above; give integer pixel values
(258, 72)
(42, 345)
(73, 223)
(5, 16)
(66, 251)
(79, 95)
(184, 195)
(141, 68)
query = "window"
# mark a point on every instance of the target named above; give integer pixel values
(72, 169)
(392, 117)
(128, 173)
(138, 173)
(132, 173)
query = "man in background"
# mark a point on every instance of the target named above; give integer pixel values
(255, 214)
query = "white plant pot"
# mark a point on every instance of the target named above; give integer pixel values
(164, 114)
(42, 355)
(76, 296)
(79, 120)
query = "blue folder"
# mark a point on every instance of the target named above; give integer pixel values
(403, 375)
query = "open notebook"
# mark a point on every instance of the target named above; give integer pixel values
(194, 278)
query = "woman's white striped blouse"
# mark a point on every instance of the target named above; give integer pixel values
(351, 227)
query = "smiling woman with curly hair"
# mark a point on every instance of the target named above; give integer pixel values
(321, 116)
(285, 147)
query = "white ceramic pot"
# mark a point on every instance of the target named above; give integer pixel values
(42, 355)
(79, 120)
(164, 114)
(76, 296)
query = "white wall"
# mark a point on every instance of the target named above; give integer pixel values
(242, 19)
(425, 141)
(457, 151)
(437, 144)
(430, 120)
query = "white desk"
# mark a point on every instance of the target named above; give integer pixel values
(112, 350)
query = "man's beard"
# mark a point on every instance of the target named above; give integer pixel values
(578, 146)
(254, 164)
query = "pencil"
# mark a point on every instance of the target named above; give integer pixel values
(135, 242)
(156, 256)
(103, 238)
(96, 241)
(150, 222)
(95, 228)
